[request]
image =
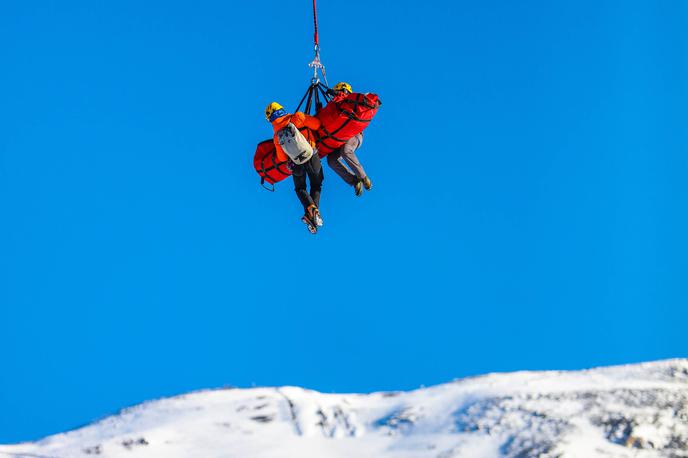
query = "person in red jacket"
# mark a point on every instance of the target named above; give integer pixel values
(344, 160)
(279, 118)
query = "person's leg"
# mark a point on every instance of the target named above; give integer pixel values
(334, 161)
(298, 173)
(316, 177)
(348, 153)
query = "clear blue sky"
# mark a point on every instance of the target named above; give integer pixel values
(529, 209)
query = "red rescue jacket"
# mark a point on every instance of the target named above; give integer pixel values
(305, 123)
(270, 161)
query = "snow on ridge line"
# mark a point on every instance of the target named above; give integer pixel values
(526, 413)
(530, 375)
(607, 369)
(505, 381)
(620, 371)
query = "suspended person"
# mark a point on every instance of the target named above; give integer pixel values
(303, 161)
(352, 173)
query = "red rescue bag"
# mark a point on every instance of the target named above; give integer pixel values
(265, 163)
(343, 118)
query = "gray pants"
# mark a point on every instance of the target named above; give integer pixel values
(346, 154)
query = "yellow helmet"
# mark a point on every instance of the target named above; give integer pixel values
(343, 87)
(270, 109)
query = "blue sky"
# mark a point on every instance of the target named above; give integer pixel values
(529, 208)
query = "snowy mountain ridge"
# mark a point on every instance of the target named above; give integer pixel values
(638, 411)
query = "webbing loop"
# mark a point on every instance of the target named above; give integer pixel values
(313, 94)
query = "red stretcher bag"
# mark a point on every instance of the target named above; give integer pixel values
(343, 118)
(265, 163)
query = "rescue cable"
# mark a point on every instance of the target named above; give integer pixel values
(316, 89)
(315, 23)
(316, 64)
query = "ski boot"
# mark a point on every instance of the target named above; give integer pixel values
(358, 188)
(312, 219)
(312, 228)
(314, 215)
(367, 184)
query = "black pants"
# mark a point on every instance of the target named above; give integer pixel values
(313, 170)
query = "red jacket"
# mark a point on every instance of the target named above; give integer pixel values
(305, 123)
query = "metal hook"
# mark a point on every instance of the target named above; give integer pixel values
(316, 65)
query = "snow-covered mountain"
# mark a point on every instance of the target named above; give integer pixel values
(638, 411)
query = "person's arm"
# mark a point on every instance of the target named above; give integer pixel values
(303, 120)
(311, 122)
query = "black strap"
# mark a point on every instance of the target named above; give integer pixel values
(360, 100)
(310, 100)
(318, 103)
(262, 183)
(302, 99)
(263, 172)
(312, 97)
(332, 134)
(324, 90)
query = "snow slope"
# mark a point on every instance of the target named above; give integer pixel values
(638, 411)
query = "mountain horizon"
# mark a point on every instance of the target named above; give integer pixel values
(637, 410)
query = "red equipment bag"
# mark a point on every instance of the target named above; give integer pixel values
(265, 163)
(343, 118)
